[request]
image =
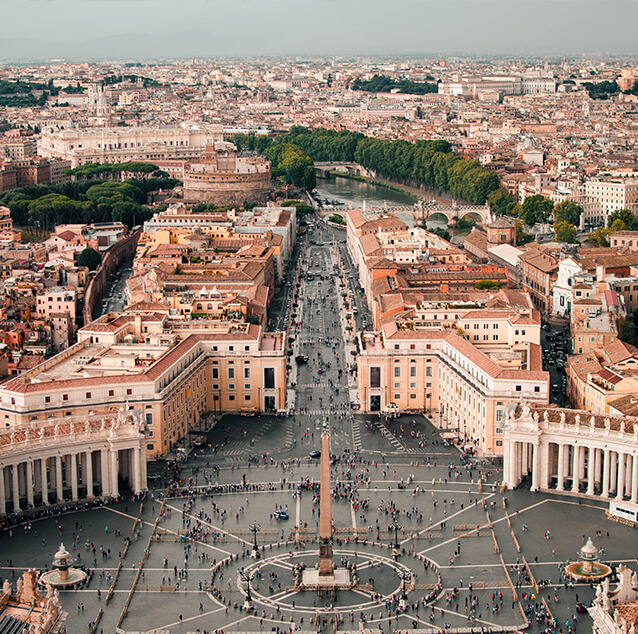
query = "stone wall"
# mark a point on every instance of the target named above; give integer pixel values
(112, 259)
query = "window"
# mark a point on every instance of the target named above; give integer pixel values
(412, 395)
(88, 395)
(486, 337)
(537, 388)
(231, 397)
(231, 348)
(397, 371)
(129, 391)
(519, 388)
(412, 371)
(269, 378)
(231, 386)
(111, 392)
(246, 373)
(215, 374)
(428, 370)
(231, 373)
(495, 326)
(396, 346)
(65, 397)
(47, 399)
(397, 386)
(246, 348)
(375, 377)
(499, 415)
(499, 443)
(413, 386)
(397, 397)
(412, 346)
(246, 397)
(495, 337)
(246, 386)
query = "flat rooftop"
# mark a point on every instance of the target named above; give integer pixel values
(99, 360)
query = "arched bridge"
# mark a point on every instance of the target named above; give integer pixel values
(351, 169)
(454, 213)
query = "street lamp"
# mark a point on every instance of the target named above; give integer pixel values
(396, 527)
(403, 601)
(246, 578)
(254, 529)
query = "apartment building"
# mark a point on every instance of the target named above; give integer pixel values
(596, 379)
(624, 239)
(538, 273)
(602, 197)
(176, 373)
(404, 369)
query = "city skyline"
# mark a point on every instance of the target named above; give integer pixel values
(92, 29)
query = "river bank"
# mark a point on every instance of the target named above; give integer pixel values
(415, 193)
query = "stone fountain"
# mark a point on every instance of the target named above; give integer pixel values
(63, 574)
(588, 568)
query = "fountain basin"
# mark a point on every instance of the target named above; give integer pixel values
(589, 571)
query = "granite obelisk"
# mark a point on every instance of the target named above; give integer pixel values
(326, 568)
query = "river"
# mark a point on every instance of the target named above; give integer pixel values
(354, 193)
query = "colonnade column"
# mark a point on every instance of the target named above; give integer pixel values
(561, 467)
(3, 497)
(74, 476)
(613, 470)
(634, 479)
(104, 473)
(512, 464)
(575, 468)
(620, 481)
(114, 472)
(44, 483)
(58, 478)
(536, 466)
(89, 473)
(606, 472)
(28, 474)
(16, 488)
(591, 461)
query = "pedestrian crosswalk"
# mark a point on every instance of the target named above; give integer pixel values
(319, 412)
(390, 436)
(356, 435)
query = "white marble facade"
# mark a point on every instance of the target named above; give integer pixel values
(572, 450)
(73, 458)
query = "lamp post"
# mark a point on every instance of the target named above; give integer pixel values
(246, 578)
(396, 551)
(255, 528)
(403, 601)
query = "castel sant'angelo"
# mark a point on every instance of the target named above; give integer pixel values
(221, 177)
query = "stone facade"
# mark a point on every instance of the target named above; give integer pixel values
(221, 177)
(571, 450)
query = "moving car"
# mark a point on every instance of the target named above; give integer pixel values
(315, 453)
(301, 358)
(280, 515)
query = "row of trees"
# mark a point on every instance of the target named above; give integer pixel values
(383, 83)
(100, 170)
(428, 163)
(46, 206)
(431, 164)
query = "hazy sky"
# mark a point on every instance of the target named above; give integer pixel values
(131, 28)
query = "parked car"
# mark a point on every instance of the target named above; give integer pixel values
(315, 453)
(281, 515)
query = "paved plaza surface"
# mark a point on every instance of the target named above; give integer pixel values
(469, 556)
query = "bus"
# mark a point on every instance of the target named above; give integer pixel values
(624, 512)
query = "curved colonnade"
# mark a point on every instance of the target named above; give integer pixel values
(69, 459)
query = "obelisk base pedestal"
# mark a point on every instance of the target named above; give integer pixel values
(326, 568)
